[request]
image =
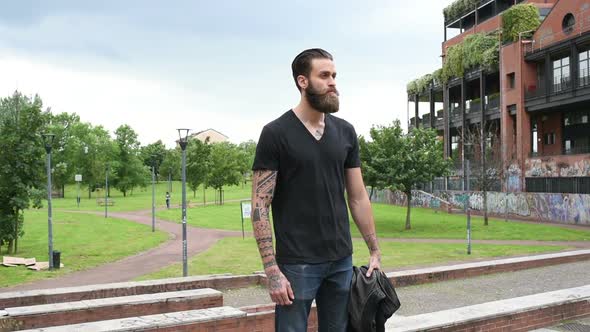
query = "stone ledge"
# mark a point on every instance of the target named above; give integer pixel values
(441, 273)
(114, 301)
(479, 315)
(152, 321)
(69, 294)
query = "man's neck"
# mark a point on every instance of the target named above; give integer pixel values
(307, 114)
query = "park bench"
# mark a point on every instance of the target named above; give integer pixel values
(101, 201)
(65, 313)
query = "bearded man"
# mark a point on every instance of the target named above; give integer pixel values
(305, 162)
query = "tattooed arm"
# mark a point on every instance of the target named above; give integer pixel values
(263, 186)
(360, 207)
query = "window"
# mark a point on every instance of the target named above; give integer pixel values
(549, 139)
(561, 74)
(584, 68)
(568, 23)
(535, 146)
(575, 118)
(511, 80)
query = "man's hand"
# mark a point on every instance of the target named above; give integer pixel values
(279, 287)
(374, 262)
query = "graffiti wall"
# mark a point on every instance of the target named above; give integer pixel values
(513, 183)
(564, 166)
(559, 208)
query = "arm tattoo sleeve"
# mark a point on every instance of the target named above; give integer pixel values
(371, 241)
(263, 186)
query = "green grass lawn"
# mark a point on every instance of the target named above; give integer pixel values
(84, 240)
(390, 222)
(141, 198)
(426, 223)
(237, 256)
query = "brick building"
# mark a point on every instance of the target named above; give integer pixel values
(535, 109)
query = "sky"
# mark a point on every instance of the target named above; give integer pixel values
(226, 65)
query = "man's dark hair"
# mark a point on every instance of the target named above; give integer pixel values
(302, 63)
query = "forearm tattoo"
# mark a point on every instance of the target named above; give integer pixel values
(263, 186)
(371, 241)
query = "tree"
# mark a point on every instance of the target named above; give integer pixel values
(369, 174)
(128, 169)
(197, 156)
(224, 166)
(153, 155)
(402, 161)
(247, 151)
(22, 168)
(66, 144)
(172, 163)
(488, 170)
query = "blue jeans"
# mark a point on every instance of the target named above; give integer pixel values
(327, 283)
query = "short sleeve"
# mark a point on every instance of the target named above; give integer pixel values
(267, 152)
(353, 159)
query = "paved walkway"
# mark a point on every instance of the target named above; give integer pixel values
(198, 239)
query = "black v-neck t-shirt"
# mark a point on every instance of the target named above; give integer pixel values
(309, 210)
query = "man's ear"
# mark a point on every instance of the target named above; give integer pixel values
(302, 81)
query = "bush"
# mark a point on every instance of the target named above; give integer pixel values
(458, 8)
(517, 19)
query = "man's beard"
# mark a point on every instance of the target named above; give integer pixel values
(322, 102)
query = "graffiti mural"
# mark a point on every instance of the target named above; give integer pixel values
(557, 166)
(558, 208)
(513, 178)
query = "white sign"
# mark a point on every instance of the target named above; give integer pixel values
(78, 177)
(246, 209)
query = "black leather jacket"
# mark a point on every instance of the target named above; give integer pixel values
(372, 301)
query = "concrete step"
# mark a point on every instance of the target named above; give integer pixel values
(19, 318)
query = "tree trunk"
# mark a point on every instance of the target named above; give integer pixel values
(204, 199)
(195, 193)
(10, 247)
(409, 196)
(124, 193)
(89, 192)
(63, 191)
(485, 207)
(371, 194)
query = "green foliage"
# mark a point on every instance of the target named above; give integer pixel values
(224, 166)
(437, 76)
(370, 176)
(453, 66)
(197, 164)
(458, 8)
(153, 155)
(128, 169)
(22, 171)
(247, 152)
(480, 50)
(402, 161)
(172, 163)
(419, 85)
(518, 19)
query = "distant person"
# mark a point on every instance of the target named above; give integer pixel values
(305, 161)
(167, 200)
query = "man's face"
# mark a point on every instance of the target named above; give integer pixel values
(320, 91)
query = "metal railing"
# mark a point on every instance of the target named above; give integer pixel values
(541, 41)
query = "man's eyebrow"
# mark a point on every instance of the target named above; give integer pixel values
(333, 73)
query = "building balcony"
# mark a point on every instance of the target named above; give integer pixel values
(562, 92)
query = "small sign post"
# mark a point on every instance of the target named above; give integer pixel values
(246, 208)
(78, 178)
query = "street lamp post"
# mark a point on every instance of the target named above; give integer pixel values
(106, 190)
(153, 194)
(468, 209)
(183, 142)
(48, 141)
